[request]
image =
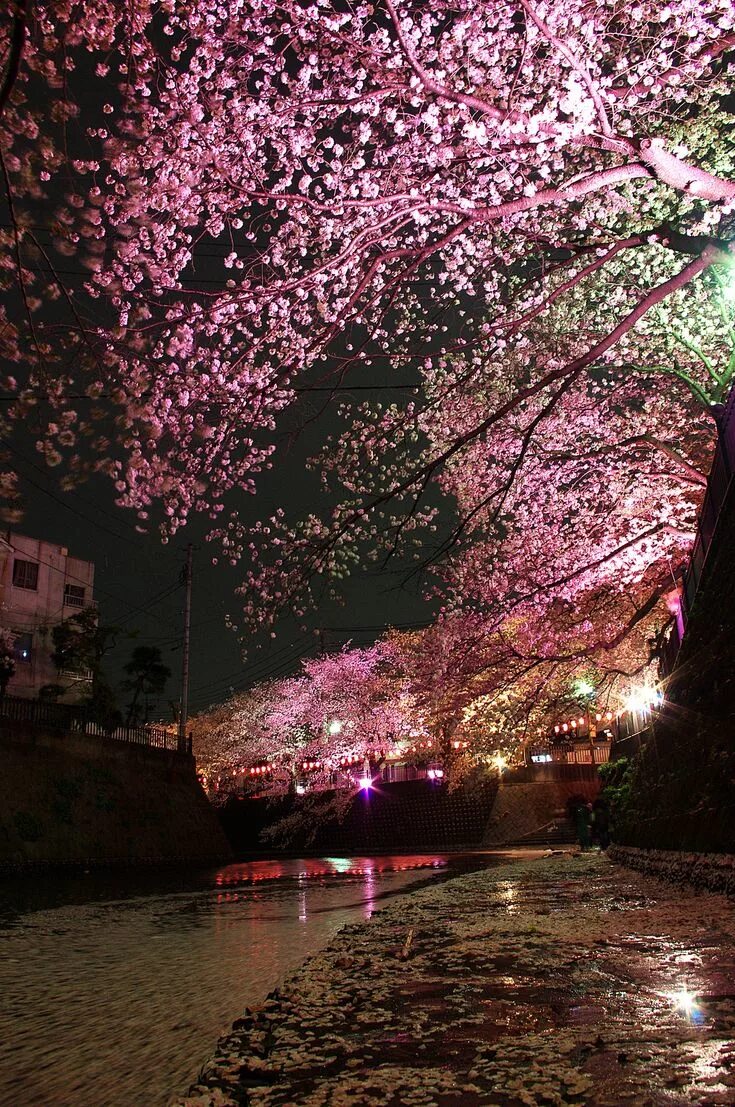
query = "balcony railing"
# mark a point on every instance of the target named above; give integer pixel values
(74, 719)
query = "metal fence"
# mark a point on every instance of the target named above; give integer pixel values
(74, 719)
(718, 485)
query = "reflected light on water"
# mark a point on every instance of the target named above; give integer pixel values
(685, 1002)
(507, 890)
(207, 946)
(307, 868)
(340, 864)
(369, 889)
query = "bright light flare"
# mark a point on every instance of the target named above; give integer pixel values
(335, 727)
(642, 699)
(500, 762)
(584, 688)
(365, 783)
(685, 1002)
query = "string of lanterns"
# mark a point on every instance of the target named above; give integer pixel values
(582, 721)
(346, 762)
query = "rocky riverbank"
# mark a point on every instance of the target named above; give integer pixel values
(562, 980)
(713, 872)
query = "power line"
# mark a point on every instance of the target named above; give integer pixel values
(410, 386)
(242, 686)
(264, 663)
(380, 627)
(120, 520)
(68, 507)
(249, 677)
(159, 597)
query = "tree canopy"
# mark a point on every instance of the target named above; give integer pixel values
(522, 210)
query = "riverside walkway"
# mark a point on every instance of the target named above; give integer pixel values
(557, 980)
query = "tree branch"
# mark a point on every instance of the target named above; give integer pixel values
(15, 53)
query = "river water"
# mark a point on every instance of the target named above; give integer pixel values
(114, 989)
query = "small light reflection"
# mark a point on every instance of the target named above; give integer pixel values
(369, 891)
(340, 864)
(709, 1064)
(685, 1002)
(302, 906)
(508, 890)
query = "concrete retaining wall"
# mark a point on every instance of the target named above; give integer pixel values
(714, 872)
(79, 799)
(523, 808)
(392, 817)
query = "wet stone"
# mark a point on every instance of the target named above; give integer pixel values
(563, 981)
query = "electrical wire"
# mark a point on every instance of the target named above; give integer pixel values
(244, 685)
(263, 664)
(24, 554)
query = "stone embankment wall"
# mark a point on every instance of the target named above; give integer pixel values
(408, 815)
(79, 799)
(521, 809)
(681, 794)
(392, 817)
(714, 872)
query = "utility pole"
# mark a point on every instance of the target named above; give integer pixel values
(184, 712)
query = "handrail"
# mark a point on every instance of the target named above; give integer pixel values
(76, 719)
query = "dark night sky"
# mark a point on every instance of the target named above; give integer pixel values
(133, 570)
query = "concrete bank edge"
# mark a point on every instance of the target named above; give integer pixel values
(714, 872)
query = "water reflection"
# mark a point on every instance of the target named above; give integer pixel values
(252, 872)
(113, 991)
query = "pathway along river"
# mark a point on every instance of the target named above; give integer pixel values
(114, 989)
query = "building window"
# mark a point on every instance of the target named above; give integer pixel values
(73, 595)
(25, 574)
(23, 648)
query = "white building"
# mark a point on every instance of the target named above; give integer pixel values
(40, 586)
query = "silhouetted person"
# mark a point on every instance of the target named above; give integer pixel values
(601, 823)
(583, 819)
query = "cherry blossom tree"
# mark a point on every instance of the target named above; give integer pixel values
(523, 208)
(232, 737)
(341, 712)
